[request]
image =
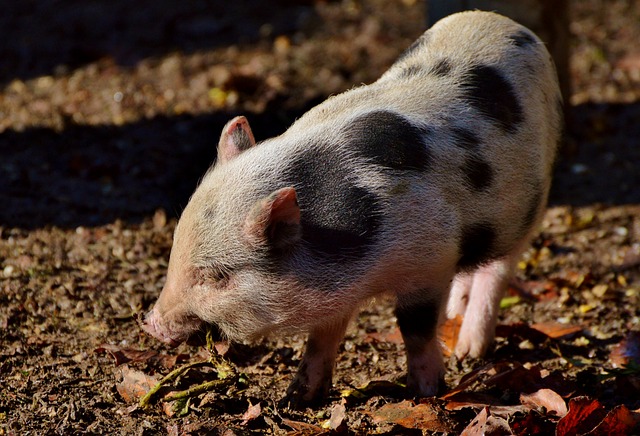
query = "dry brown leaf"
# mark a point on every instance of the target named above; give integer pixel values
(134, 384)
(253, 412)
(424, 416)
(124, 355)
(304, 429)
(338, 414)
(546, 398)
(478, 375)
(485, 424)
(448, 334)
(555, 329)
(394, 337)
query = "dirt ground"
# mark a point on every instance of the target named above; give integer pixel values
(110, 113)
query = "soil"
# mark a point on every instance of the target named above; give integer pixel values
(109, 115)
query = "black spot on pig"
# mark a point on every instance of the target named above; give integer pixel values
(477, 172)
(390, 140)
(523, 39)
(465, 138)
(418, 43)
(418, 320)
(441, 68)
(490, 93)
(339, 219)
(476, 245)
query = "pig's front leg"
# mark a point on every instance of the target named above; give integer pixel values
(315, 374)
(418, 318)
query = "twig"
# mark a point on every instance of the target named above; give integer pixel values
(227, 375)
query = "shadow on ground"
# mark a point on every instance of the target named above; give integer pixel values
(92, 175)
(44, 37)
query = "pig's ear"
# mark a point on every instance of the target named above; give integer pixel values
(236, 137)
(275, 220)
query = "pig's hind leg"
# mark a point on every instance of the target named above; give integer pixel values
(459, 296)
(315, 373)
(484, 289)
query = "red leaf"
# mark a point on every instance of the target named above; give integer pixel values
(620, 420)
(532, 424)
(583, 416)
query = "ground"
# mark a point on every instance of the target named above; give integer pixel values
(110, 113)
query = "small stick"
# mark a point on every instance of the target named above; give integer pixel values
(226, 375)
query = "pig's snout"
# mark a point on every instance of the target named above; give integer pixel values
(171, 333)
(154, 326)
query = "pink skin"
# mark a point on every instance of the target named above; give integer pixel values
(477, 297)
(154, 326)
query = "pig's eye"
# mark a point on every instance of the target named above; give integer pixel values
(212, 275)
(220, 276)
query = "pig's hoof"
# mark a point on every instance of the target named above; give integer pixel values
(301, 394)
(418, 389)
(470, 348)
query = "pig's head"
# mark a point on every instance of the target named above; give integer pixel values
(217, 269)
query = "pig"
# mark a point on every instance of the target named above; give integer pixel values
(426, 184)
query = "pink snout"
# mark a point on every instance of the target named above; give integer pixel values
(155, 326)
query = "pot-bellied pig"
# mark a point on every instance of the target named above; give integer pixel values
(426, 183)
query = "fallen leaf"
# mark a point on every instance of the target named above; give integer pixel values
(424, 416)
(555, 329)
(583, 416)
(627, 351)
(338, 414)
(124, 355)
(135, 384)
(448, 334)
(393, 337)
(304, 429)
(480, 400)
(522, 331)
(477, 376)
(619, 421)
(253, 412)
(546, 398)
(373, 388)
(509, 301)
(532, 424)
(485, 424)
